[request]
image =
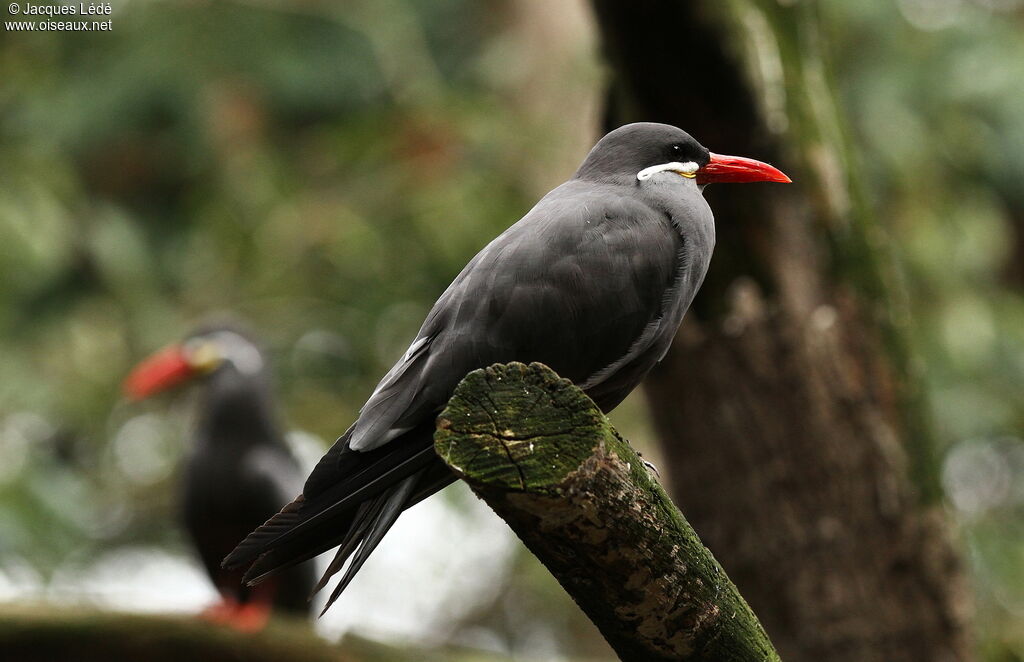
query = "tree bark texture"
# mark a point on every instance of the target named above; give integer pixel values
(787, 407)
(545, 458)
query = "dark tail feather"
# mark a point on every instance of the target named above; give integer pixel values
(275, 560)
(431, 480)
(355, 499)
(383, 520)
(314, 537)
(364, 518)
(292, 516)
(254, 543)
(311, 518)
(435, 478)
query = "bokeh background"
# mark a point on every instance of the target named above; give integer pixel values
(323, 170)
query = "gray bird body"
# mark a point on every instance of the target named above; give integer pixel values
(593, 281)
(238, 472)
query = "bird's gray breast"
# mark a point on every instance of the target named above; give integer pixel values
(681, 207)
(690, 216)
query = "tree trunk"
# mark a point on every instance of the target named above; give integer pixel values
(545, 458)
(787, 408)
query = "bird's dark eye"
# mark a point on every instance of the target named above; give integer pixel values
(677, 149)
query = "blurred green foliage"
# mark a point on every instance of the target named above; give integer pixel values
(933, 91)
(227, 157)
(321, 171)
(324, 169)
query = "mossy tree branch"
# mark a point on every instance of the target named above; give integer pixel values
(545, 458)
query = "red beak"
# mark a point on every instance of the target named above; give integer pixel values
(159, 372)
(738, 169)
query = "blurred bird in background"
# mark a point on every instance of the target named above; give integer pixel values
(239, 470)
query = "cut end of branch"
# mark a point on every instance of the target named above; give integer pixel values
(498, 419)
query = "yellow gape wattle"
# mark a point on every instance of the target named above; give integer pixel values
(206, 357)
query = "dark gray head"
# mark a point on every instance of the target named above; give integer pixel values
(639, 151)
(630, 149)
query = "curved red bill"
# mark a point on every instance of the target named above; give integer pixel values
(737, 170)
(157, 373)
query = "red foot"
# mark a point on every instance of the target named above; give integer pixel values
(249, 617)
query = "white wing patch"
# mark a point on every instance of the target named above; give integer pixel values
(377, 417)
(399, 368)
